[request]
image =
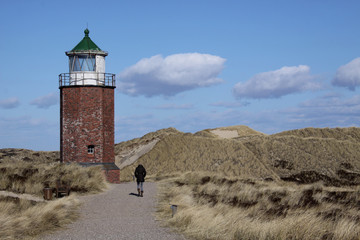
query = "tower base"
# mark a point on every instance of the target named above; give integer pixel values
(110, 170)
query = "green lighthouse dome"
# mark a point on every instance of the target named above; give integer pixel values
(86, 45)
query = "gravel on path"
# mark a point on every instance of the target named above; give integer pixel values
(117, 213)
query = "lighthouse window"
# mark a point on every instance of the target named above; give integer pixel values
(91, 149)
(82, 63)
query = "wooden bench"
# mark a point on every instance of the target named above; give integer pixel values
(61, 188)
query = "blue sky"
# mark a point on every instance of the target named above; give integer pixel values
(192, 65)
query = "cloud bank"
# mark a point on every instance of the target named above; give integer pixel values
(9, 103)
(29, 132)
(348, 75)
(170, 75)
(46, 101)
(274, 84)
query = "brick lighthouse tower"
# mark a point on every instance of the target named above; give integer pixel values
(87, 110)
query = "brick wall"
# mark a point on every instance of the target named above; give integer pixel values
(108, 125)
(112, 176)
(87, 118)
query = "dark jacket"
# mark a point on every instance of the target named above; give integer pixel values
(140, 173)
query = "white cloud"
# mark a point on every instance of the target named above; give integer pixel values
(9, 103)
(348, 75)
(46, 101)
(274, 84)
(170, 75)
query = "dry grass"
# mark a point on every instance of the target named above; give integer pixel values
(27, 155)
(24, 219)
(186, 152)
(31, 177)
(212, 206)
(304, 155)
(223, 206)
(348, 134)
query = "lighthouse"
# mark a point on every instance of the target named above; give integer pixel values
(87, 110)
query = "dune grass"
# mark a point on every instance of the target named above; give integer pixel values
(25, 219)
(211, 206)
(27, 155)
(217, 205)
(330, 155)
(31, 177)
(186, 152)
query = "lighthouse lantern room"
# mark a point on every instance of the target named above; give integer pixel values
(87, 109)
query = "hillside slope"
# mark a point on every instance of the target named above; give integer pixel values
(303, 155)
(29, 155)
(331, 155)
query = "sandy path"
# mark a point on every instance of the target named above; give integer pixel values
(117, 214)
(24, 196)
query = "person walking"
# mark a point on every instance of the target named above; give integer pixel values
(140, 174)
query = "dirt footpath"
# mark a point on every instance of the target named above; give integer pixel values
(117, 214)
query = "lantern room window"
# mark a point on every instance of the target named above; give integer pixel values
(91, 149)
(82, 63)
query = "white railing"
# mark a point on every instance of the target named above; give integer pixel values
(86, 78)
